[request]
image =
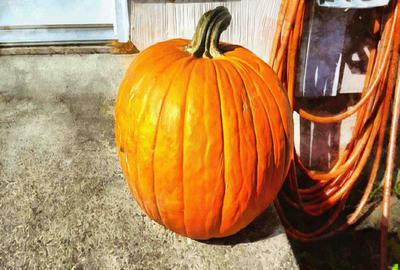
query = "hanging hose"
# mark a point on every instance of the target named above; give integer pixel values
(330, 190)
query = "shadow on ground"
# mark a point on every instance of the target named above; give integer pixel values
(265, 226)
(350, 250)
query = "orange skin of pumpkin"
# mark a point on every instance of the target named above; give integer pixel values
(204, 144)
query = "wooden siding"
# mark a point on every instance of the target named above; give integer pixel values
(253, 21)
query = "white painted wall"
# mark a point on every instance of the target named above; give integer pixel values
(253, 21)
(25, 22)
(52, 12)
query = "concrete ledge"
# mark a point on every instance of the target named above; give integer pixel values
(48, 50)
(63, 200)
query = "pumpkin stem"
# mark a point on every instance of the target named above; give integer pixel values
(205, 41)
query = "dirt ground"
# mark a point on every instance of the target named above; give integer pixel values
(63, 200)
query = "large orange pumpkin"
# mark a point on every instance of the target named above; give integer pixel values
(204, 132)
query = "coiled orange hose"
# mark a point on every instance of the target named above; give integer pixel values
(330, 189)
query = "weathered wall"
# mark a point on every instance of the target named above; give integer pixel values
(63, 200)
(253, 21)
(334, 46)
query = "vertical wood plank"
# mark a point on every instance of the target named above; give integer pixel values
(253, 21)
(334, 51)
